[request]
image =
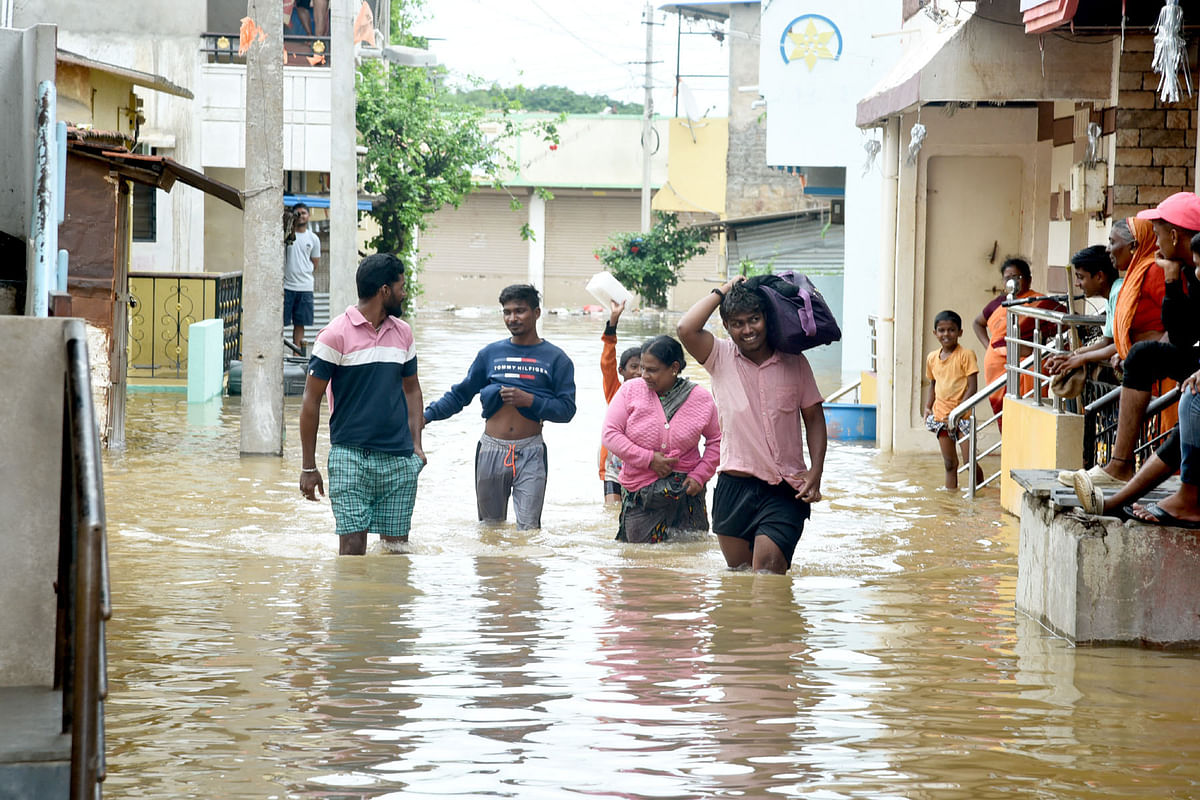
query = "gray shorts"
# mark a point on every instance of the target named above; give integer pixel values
(514, 467)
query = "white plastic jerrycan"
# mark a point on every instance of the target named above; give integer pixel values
(605, 288)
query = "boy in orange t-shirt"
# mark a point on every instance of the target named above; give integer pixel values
(953, 376)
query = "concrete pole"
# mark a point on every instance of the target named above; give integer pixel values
(262, 230)
(537, 245)
(647, 114)
(885, 322)
(343, 163)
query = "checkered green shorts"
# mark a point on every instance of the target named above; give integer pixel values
(372, 491)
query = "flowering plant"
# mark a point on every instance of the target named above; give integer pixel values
(649, 263)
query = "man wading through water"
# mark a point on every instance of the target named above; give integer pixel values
(763, 486)
(367, 358)
(522, 382)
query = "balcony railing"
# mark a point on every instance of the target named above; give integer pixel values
(302, 51)
(165, 304)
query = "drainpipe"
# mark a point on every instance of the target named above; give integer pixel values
(43, 223)
(63, 255)
(885, 330)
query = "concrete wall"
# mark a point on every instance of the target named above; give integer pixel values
(752, 186)
(161, 37)
(31, 420)
(223, 225)
(596, 151)
(26, 59)
(1099, 580)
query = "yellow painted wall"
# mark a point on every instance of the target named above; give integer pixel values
(95, 98)
(868, 393)
(695, 168)
(1036, 438)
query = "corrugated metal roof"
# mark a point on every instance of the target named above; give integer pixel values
(804, 243)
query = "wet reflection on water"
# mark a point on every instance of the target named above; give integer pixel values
(248, 660)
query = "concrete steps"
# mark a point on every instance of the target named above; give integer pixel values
(35, 756)
(320, 319)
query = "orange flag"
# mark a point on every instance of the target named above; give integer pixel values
(249, 32)
(364, 26)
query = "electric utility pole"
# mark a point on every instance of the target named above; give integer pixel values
(343, 161)
(647, 113)
(262, 231)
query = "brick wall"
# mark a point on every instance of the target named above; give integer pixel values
(1156, 141)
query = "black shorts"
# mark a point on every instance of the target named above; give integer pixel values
(611, 487)
(297, 308)
(748, 507)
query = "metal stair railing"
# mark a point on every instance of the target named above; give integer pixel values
(845, 390)
(84, 597)
(966, 409)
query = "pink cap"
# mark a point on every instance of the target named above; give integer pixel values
(1181, 208)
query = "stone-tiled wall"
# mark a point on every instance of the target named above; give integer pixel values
(1156, 141)
(752, 187)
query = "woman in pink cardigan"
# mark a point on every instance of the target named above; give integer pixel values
(654, 425)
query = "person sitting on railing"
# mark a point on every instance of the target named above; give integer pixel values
(991, 326)
(1096, 276)
(1181, 509)
(953, 375)
(1175, 223)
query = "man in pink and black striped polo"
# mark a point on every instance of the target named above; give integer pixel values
(367, 361)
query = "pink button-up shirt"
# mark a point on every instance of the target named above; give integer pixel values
(759, 407)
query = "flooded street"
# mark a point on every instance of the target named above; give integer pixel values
(247, 660)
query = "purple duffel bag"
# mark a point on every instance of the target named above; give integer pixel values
(799, 323)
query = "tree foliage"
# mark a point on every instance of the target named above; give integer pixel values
(649, 263)
(557, 99)
(423, 151)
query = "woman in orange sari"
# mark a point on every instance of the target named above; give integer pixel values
(1134, 304)
(1138, 314)
(991, 326)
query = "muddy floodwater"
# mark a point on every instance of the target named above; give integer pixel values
(247, 660)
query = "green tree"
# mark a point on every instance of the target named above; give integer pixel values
(423, 151)
(556, 99)
(649, 263)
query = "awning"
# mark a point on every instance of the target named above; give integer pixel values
(322, 201)
(986, 60)
(136, 77)
(1043, 15)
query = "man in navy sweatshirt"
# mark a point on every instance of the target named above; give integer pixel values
(522, 381)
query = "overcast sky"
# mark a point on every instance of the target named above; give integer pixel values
(584, 46)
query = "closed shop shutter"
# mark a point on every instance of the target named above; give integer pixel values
(575, 227)
(472, 252)
(804, 244)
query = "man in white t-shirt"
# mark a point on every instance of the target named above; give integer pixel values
(300, 259)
